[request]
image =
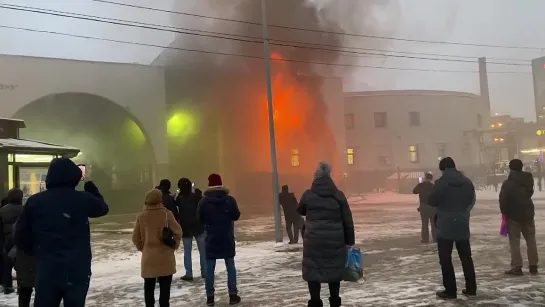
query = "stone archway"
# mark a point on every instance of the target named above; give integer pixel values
(118, 151)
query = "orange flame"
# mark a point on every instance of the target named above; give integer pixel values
(275, 56)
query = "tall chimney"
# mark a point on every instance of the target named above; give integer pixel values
(483, 81)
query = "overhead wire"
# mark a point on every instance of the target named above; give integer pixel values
(246, 55)
(226, 36)
(321, 31)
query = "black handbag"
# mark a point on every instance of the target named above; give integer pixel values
(167, 237)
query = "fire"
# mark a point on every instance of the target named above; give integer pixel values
(275, 56)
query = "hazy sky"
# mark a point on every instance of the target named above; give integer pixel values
(493, 22)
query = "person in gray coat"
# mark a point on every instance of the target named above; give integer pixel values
(329, 230)
(453, 195)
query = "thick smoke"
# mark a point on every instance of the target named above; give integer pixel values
(228, 92)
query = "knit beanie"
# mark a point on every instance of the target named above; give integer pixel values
(154, 197)
(214, 180)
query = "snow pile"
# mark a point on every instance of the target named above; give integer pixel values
(383, 198)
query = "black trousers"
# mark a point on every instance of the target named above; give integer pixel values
(25, 294)
(427, 219)
(7, 271)
(51, 294)
(164, 291)
(293, 226)
(444, 248)
(314, 289)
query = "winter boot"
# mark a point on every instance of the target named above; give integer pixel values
(514, 272)
(210, 301)
(187, 278)
(533, 270)
(234, 299)
(335, 301)
(8, 290)
(317, 303)
(446, 295)
(469, 293)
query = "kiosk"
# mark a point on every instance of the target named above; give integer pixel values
(24, 163)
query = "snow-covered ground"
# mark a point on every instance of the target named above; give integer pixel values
(400, 270)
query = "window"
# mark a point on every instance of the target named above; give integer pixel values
(350, 156)
(295, 157)
(479, 121)
(414, 119)
(441, 151)
(413, 153)
(349, 121)
(381, 120)
(383, 160)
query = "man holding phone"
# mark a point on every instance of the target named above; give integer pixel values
(54, 227)
(423, 189)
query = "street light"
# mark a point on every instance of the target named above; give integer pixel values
(274, 167)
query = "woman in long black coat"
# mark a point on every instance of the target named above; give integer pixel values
(329, 230)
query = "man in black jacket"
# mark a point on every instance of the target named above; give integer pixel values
(427, 212)
(168, 199)
(54, 227)
(294, 221)
(187, 203)
(516, 204)
(453, 196)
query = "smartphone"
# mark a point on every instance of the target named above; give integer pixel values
(82, 167)
(419, 179)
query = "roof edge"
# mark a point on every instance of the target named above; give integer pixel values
(411, 93)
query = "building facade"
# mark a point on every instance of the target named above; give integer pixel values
(412, 130)
(137, 90)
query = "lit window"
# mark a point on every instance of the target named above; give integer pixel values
(350, 156)
(295, 157)
(413, 153)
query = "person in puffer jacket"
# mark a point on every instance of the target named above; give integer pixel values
(329, 230)
(218, 211)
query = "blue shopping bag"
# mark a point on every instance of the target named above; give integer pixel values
(353, 270)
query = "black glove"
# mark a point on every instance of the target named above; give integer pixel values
(91, 187)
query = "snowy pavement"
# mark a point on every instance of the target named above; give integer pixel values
(400, 270)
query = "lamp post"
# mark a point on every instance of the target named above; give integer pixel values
(272, 139)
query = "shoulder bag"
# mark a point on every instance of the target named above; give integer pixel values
(167, 237)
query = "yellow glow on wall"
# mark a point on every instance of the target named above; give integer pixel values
(181, 125)
(134, 133)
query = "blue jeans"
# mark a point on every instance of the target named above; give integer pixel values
(188, 246)
(231, 276)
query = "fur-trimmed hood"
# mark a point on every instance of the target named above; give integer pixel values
(216, 194)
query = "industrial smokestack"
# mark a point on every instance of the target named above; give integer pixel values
(483, 81)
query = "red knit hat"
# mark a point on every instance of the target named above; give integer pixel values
(214, 180)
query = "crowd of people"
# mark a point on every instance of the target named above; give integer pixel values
(48, 239)
(446, 204)
(209, 216)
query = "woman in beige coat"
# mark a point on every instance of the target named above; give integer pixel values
(158, 260)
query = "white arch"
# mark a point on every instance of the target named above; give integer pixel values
(138, 89)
